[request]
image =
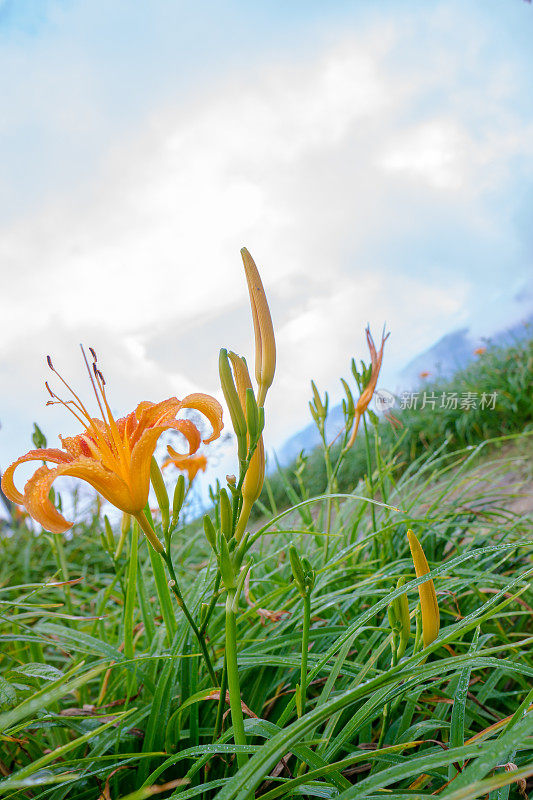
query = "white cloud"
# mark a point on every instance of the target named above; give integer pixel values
(324, 167)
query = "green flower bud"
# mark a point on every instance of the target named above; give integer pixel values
(177, 500)
(38, 438)
(160, 492)
(209, 530)
(226, 515)
(234, 406)
(297, 568)
(225, 563)
(320, 409)
(252, 416)
(110, 539)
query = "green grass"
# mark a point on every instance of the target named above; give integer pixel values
(103, 691)
(508, 372)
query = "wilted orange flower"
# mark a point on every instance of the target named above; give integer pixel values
(424, 374)
(479, 351)
(112, 455)
(189, 464)
(368, 392)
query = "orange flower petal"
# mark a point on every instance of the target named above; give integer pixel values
(38, 504)
(76, 445)
(151, 414)
(190, 464)
(50, 454)
(210, 408)
(144, 450)
(109, 484)
(37, 489)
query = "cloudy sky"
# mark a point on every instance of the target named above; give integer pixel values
(375, 158)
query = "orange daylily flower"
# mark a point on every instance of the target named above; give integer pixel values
(112, 455)
(189, 464)
(479, 351)
(424, 374)
(368, 392)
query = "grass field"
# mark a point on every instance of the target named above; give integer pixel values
(105, 691)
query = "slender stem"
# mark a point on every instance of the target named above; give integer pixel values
(181, 602)
(384, 498)
(371, 483)
(174, 585)
(305, 651)
(233, 679)
(212, 605)
(387, 707)
(63, 567)
(329, 474)
(221, 700)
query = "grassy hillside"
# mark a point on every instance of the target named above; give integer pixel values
(104, 692)
(505, 374)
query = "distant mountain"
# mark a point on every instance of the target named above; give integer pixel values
(455, 350)
(449, 354)
(308, 438)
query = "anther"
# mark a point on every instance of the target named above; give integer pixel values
(49, 362)
(101, 378)
(50, 392)
(92, 352)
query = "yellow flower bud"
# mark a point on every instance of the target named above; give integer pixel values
(428, 597)
(265, 345)
(251, 488)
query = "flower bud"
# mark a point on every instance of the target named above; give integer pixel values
(226, 515)
(109, 537)
(320, 409)
(426, 590)
(225, 564)
(38, 437)
(297, 569)
(209, 530)
(160, 492)
(234, 405)
(178, 498)
(252, 416)
(251, 487)
(265, 345)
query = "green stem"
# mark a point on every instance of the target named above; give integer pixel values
(387, 707)
(151, 535)
(212, 605)
(182, 604)
(371, 484)
(305, 651)
(329, 474)
(221, 700)
(233, 679)
(57, 539)
(384, 498)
